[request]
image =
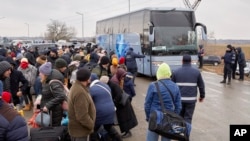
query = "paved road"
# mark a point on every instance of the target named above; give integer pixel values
(224, 105)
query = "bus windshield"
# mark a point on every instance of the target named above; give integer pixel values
(174, 33)
(174, 41)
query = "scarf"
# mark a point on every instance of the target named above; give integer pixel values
(24, 65)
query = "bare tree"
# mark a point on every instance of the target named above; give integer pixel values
(59, 31)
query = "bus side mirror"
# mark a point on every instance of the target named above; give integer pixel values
(204, 30)
(151, 34)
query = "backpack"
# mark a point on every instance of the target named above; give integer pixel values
(90, 66)
(66, 91)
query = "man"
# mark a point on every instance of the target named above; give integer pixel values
(131, 62)
(229, 60)
(82, 112)
(188, 79)
(102, 68)
(61, 66)
(200, 56)
(5, 71)
(241, 62)
(16, 78)
(30, 55)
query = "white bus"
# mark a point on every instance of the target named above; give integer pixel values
(161, 34)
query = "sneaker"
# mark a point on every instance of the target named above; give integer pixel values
(228, 83)
(240, 79)
(127, 134)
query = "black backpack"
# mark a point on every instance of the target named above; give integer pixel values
(90, 66)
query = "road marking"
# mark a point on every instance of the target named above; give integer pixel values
(215, 90)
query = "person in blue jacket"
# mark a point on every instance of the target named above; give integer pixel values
(152, 101)
(189, 79)
(130, 62)
(229, 61)
(105, 108)
(12, 125)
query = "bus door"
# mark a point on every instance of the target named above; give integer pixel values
(133, 40)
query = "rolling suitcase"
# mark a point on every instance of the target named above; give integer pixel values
(48, 133)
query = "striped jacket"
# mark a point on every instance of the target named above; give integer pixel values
(188, 79)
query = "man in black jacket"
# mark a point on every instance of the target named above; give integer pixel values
(15, 78)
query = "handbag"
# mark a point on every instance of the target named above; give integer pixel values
(124, 99)
(43, 119)
(167, 123)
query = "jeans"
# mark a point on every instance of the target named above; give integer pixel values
(38, 86)
(152, 136)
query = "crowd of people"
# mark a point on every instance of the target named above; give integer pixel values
(233, 57)
(96, 83)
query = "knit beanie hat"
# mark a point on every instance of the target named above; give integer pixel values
(4, 66)
(60, 63)
(104, 79)
(24, 60)
(104, 60)
(46, 68)
(93, 77)
(19, 56)
(54, 50)
(83, 74)
(6, 96)
(186, 58)
(77, 57)
(163, 71)
(114, 61)
(122, 60)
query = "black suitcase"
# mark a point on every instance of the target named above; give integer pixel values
(48, 133)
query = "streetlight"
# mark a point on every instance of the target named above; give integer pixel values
(82, 23)
(28, 29)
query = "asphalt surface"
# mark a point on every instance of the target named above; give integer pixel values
(224, 105)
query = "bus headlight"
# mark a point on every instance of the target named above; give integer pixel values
(157, 63)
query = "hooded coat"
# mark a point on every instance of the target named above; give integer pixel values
(125, 114)
(105, 108)
(241, 57)
(53, 95)
(13, 127)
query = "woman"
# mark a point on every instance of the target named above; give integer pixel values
(152, 100)
(52, 94)
(125, 114)
(105, 108)
(29, 71)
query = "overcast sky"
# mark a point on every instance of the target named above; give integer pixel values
(228, 19)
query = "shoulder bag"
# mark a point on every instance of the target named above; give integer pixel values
(167, 123)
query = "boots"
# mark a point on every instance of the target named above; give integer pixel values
(27, 107)
(223, 81)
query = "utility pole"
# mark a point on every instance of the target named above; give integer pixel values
(28, 29)
(82, 23)
(129, 6)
